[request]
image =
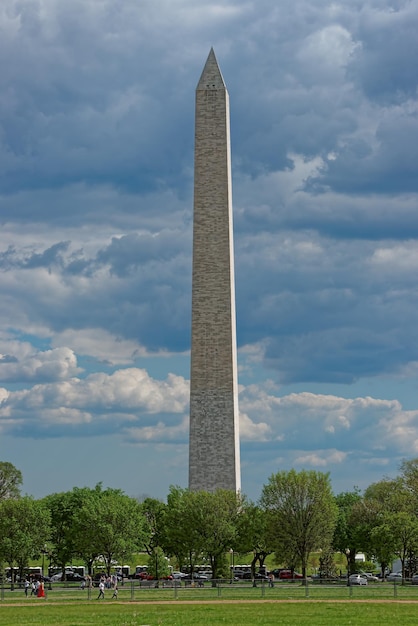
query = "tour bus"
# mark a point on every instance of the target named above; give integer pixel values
(35, 571)
(122, 570)
(70, 569)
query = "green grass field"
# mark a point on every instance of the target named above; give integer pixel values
(262, 613)
(230, 605)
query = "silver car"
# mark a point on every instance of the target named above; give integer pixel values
(357, 579)
(370, 577)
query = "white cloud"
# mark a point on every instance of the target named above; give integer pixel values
(101, 345)
(321, 459)
(328, 51)
(96, 157)
(126, 396)
(253, 431)
(57, 364)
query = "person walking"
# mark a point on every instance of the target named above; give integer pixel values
(101, 590)
(27, 584)
(41, 590)
(115, 592)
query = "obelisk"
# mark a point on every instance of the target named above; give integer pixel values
(214, 456)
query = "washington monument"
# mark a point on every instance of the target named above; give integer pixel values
(214, 458)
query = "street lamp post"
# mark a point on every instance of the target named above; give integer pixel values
(231, 554)
(157, 584)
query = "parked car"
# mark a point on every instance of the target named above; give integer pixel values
(325, 577)
(45, 579)
(146, 576)
(178, 575)
(238, 573)
(414, 579)
(357, 579)
(70, 576)
(198, 577)
(287, 574)
(258, 576)
(394, 577)
(371, 578)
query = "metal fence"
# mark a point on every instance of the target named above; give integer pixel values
(135, 591)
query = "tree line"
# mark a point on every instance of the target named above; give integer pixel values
(296, 515)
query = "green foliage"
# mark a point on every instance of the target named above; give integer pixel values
(158, 564)
(114, 526)
(202, 524)
(10, 481)
(301, 514)
(394, 521)
(154, 513)
(24, 528)
(252, 534)
(296, 516)
(65, 536)
(346, 537)
(327, 567)
(181, 539)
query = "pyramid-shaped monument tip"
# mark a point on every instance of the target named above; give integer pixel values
(211, 77)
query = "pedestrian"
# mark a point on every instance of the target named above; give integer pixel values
(26, 587)
(101, 590)
(41, 590)
(33, 587)
(115, 592)
(271, 580)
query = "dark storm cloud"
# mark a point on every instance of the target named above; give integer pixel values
(52, 256)
(383, 65)
(96, 196)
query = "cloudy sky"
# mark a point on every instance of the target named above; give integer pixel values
(96, 187)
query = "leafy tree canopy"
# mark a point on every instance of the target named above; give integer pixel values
(10, 481)
(301, 513)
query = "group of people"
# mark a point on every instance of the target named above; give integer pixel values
(37, 588)
(111, 582)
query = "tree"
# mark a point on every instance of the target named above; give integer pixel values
(387, 500)
(399, 531)
(203, 524)
(24, 527)
(347, 539)
(252, 534)
(118, 524)
(158, 564)
(409, 475)
(154, 512)
(409, 479)
(181, 538)
(64, 535)
(383, 547)
(301, 513)
(84, 536)
(215, 518)
(10, 481)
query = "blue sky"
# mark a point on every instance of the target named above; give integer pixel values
(96, 193)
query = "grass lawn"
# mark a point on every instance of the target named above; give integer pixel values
(300, 613)
(227, 605)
